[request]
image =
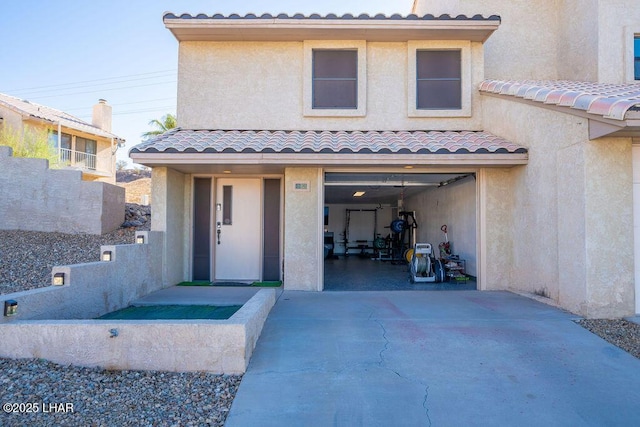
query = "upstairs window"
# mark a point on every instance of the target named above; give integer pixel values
(335, 79)
(438, 80)
(636, 57)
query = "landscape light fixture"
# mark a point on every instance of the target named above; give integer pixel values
(58, 279)
(106, 256)
(10, 307)
(140, 239)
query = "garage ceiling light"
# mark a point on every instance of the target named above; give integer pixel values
(358, 194)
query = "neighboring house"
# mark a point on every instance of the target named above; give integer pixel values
(89, 147)
(285, 117)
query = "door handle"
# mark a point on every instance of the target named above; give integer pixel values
(218, 232)
(218, 226)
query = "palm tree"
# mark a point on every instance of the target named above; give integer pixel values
(166, 123)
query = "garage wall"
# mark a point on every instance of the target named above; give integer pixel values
(455, 206)
(361, 224)
(570, 234)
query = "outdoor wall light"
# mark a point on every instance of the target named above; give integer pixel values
(140, 239)
(106, 256)
(10, 307)
(58, 279)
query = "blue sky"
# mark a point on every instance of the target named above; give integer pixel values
(69, 53)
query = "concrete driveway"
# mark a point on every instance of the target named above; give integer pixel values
(432, 358)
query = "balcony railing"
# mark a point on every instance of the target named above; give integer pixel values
(78, 159)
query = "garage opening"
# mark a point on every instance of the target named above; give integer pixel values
(400, 231)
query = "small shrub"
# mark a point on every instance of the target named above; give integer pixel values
(32, 143)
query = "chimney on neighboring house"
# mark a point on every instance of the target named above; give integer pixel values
(102, 115)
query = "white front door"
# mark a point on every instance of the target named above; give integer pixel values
(237, 237)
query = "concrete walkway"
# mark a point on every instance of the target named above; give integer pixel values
(432, 358)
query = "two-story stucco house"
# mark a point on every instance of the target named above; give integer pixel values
(89, 147)
(295, 127)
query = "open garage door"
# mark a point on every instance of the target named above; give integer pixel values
(373, 222)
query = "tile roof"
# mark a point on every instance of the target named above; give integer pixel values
(348, 16)
(28, 108)
(612, 101)
(327, 142)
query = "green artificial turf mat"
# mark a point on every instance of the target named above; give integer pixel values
(165, 312)
(273, 284)
(195, 283)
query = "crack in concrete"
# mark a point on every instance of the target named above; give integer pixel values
(382, 364)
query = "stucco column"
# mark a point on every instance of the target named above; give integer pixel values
(495, 234)
(169, 215)
(303, 207)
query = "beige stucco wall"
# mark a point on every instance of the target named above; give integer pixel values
(303, 225)
(617, 23)
(554, 39)
(523, 47)
(609, 225)
(570, 208)
(577, 40)
(455, 206)
(270, 93)
(10, 119)
(169, 199)
(495, 215)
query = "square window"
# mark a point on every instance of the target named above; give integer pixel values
(335, 79)
(438, 80)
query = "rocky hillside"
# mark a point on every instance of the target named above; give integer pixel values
(137, 185)
(128, 175)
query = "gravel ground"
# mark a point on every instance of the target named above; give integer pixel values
(27, 257)
(619, 332)
(95, 397)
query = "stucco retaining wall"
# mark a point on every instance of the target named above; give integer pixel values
(218, 346)
(36, 198)
(95, 288)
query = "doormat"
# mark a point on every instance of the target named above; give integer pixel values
(230, 284)
(195, 283)
(272, 284)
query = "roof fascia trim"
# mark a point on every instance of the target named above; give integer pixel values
(320, 159)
